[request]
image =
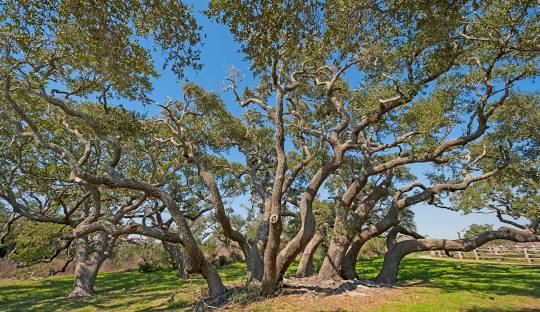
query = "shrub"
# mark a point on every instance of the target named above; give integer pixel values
(221, 261)
(373, 248)
(153, 257)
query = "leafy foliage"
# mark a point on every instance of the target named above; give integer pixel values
(35, 241)
(475, 229)
(98, 46)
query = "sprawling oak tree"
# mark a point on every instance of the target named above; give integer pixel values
(37, 185)
(390, 83)
(350, 96)
(55, 54)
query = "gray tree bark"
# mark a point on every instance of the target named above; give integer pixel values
(176, 256)
(87, 264)
(305, 267)
(348, 265)
(344, 233)
(331, 265)
(392, 259)
(85, 278)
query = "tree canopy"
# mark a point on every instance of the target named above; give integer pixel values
(349, 98)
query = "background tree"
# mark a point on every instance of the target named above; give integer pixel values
(475, 229)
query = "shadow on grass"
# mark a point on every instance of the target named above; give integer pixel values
(114, 290)
(495, 279)
(162, 290)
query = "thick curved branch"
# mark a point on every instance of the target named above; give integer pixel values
(14, 217)
(505, 233)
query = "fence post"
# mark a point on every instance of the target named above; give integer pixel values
(476, 256)
(527, 255)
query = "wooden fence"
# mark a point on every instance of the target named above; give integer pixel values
(519, 252)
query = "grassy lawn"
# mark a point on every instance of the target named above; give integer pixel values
(442, 286)
(116, 291)
(458, 286)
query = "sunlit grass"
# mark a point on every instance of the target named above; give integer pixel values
(116, 291)
(463, 286)
(443, 286)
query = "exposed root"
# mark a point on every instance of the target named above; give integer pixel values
(313, 285)
(214, 303)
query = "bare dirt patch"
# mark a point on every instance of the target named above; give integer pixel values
(310, 294)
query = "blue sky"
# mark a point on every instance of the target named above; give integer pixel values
(220, 52)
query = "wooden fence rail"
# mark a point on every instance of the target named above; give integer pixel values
(526, 253)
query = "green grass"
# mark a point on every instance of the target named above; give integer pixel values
(444, 286)
(447, 285)
(116, 291)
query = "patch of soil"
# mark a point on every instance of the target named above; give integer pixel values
(311, 294)
(326, 287)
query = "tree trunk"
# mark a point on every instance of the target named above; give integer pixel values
(85, 278)
(255, 266)
(176, 257)
(347, 224)
(251, 252)
(307, 229)
(271, 274)
(215, 286)
(339, 244)
(87, 267)
(348, 265)
(305, 267)
(398, 250)
(331, 265)
(392, 259)
(196, 262)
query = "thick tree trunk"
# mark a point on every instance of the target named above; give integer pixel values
(331, 266)
(348, 265)
(196, 262)
(176, 256)
(392, 259)
(254, 255)
(85, 278)
(87, 265)
(307, 229)
(252, 252)
(271, 275)
(339, 244)
(305, 267)
(215, 286)
(333, 262)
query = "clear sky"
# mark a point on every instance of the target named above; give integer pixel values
(219, 52)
